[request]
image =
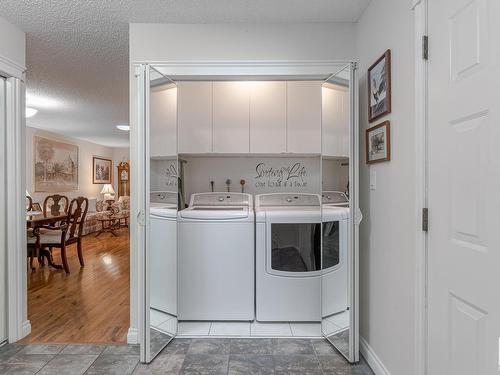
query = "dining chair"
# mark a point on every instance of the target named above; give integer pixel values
(56, 203)
(67, 232)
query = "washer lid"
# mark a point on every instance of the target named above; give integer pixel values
(215, 213)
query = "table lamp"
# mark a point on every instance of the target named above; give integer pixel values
(108, 192)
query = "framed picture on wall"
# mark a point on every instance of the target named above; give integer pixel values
(55, 165)
(378, 143)
(102, 170)
(379, 87)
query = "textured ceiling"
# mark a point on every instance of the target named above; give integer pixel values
(77, 50)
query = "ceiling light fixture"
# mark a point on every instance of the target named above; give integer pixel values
(30, 112)
(125, 128)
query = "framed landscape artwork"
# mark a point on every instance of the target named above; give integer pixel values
(379, 87)
(378, 143)
(55, 166)
(102, 170)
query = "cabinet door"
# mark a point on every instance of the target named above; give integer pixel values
(163, 121)
(231, 117)
(304, 117)
(195, 117)
(268, 117)
(335, 120)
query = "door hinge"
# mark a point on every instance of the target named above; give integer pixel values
(425, 47)
(425, 219)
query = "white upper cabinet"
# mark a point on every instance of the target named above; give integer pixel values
(335, 120)
(304, 117)
(231, 117)
(268, 117)
(195, 117)
(163, 121)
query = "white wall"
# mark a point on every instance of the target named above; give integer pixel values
(86, 151)
(387, 245)
(313, 41)
(261, 174)
(12, 48)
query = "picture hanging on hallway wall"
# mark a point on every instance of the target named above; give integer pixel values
(379, 87)
(55, 166)
(378, 143)
(102, 170)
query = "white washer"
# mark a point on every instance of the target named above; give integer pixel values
(288, 257)
(163, 251)
(335, 199)
(216, 257)
(335, 247)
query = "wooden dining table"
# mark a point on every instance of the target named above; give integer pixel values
(35, 221)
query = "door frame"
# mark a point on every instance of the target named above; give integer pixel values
(18, 325)
(420, 9)
(137, 330)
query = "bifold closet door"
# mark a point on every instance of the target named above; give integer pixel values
(339, 245)
(3, 249)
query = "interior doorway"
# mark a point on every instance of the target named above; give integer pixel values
(77, 218)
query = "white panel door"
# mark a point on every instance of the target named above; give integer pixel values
(194, 117)
(3, 249)
(464, 187)
(304, 117)
(268, 117)
(335, 120)
(163, 121)
(231, 117)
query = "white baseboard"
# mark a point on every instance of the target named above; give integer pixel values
(133, 336)
(372, 358)
(26, 330)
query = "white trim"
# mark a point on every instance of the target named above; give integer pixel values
(18, 325)
(372, 358)
(10, 68)
(133, 336)
(421, 100)
(305, 68)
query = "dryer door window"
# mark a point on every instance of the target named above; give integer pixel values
(331, 244)
(296, 247)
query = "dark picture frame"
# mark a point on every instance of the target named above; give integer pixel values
(378, 143)
(102, 170)
(379, 87)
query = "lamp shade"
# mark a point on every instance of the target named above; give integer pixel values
(107, 189)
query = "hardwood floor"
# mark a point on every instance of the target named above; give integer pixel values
(91, 304)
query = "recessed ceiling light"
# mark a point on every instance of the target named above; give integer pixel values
(125, 128)
(30, 112)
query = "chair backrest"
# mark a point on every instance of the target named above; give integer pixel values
(57, 204)
(77, 212)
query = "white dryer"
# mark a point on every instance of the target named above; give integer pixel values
(216, 257)
(335, 247)
(163, 251)
(288, 257)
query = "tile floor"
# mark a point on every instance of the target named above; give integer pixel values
(166, 323)
(183, 356)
